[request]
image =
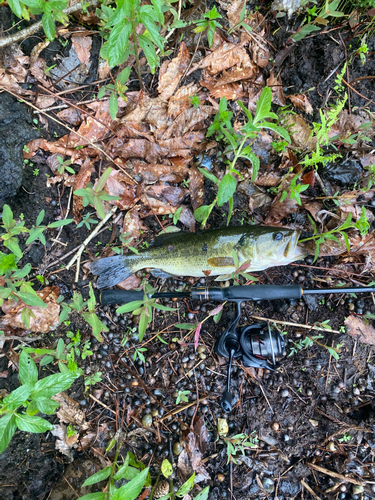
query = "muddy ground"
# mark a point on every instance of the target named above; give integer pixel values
(314, 412)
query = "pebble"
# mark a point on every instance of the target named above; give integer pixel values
(147, 421)
(275, 426)
(357, 489)
(284, 393)
(201, 348)
(220, 477)
(177, 448)
(331, 446)
(268, 485)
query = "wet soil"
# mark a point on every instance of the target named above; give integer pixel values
(315, 410)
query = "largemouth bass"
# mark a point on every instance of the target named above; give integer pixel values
(209, 253)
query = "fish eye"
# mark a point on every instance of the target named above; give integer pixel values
(278, 236)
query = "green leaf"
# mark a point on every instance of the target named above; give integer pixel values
(47, 406)
(130, 306)
(8, 262)
(16, 7)
(249, 155)
(60, 223)
(209, 176)
(186, 487)
(304, 31)
(203, 495)
(48, 26)
(143, 323)
(7, 429)
(263, 104)
(185, 326)
(96, 325)
(21, 273)
(123, 77)
(279, 130)
(118, 41)
(35, 233)
(17, 397)
(14, 247)
(166, 468)
(8, 217)
(31, 300)
(161, 307)
(30, 423)
(93, 496)
(51, 385)
(113, 105)
(28, 371)
(227, 188)
(153, 30)
(131, 490)
(98, 476)
(40, 217)
(202, 213)
(103, 180)
(150, 53)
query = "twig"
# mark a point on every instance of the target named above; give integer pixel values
(17, 37)
(288, 323)
(20, 339)
(310, 490)
(328, 472)
(102, 404)
(90, 237)
(179, 410)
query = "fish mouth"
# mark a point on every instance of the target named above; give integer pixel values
(292, 249)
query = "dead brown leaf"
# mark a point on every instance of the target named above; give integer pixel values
(70, 115)
(187, 218)
(300, 131)
(152, 111)
(165, 173)
(260, 53)
(37, 69)
(69, 411)
(163, 199)
(52, 147)
(141, 148)
(280, 210)
(187, 120)
(360, 330)
(223, 57)
(196, 187)
(231, 91)
(277, 89)
(64, 443)
(130, 283)
(234, 11)
(168, 82)
(93, 129)
(45, 320)
(300, 101)
(82, 45)
(118, 185)
(133, 225)
(185, 145)
(180, 100)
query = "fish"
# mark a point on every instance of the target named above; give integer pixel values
(209, 253)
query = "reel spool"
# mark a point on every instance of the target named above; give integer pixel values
(255, 346)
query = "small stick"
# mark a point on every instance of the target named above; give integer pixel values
(288, 323)
(90, 237)
(179, 410)
(328, 472)
(310, 490)
(102, 404)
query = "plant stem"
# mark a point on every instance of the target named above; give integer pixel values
(136, 46)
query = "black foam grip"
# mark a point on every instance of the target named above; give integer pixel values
(119, 296)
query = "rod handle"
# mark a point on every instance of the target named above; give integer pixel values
(119, 296)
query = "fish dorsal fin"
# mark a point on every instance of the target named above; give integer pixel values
(220, 261)
(165, 238)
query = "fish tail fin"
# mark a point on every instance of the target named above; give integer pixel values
(111, 270)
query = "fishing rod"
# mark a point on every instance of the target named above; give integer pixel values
(254, 345)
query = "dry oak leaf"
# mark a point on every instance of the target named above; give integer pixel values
(231, 91)
(93, 129)
(300, 131)
(360, 330)
(187, 218)
(185, 145)
(224, 57)
(187, 120)
(165, 173)
(37, 69)
(45, 320)
(234, 11)
(130, 283)
(180, 100)
(64, 443)
(80, 182)
(118, 185)
(301, 102)
(260, 54)
(152, 111)
(133, 225)
(82, 46)
(8, 81)
(245, 70)
(52, 147)
(141, 148)
(168, 82)
(196, 187)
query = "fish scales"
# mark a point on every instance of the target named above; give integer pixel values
(209, 253)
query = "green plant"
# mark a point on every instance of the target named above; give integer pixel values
(308, 341)
(138, 353)
(36, 232)
(237, 445)
(124, 40)
(96, 195)
(362, 225)
(238, 145)
(329, 9)
(116, 90)
(64, 165)
(182, 396)
(36, 172)
(195, 101)
(19, 409)
(143, 309)
(93, 379)
(87, 221)
(208, 23)
(295, 189)
(87, 310)
(51, 10)
(345, 438)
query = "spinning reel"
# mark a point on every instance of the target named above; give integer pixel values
(254, 345)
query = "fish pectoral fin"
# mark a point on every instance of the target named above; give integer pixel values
(220, 261)
(223, 277)
(159, 273)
